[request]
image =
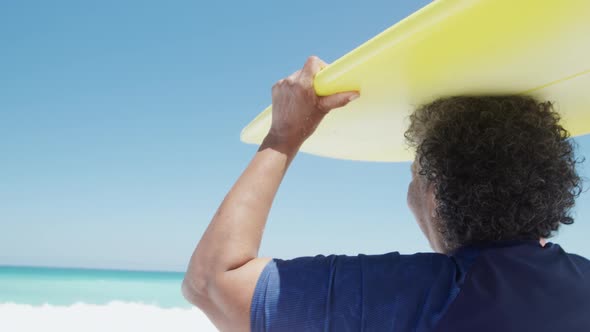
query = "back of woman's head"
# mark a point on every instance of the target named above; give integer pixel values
(502, 167)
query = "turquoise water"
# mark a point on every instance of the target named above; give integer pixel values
(64, 287)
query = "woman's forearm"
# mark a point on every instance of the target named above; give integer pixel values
(234, 234)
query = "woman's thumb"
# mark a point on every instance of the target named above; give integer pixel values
(331, 102)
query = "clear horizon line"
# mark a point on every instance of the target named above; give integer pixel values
(88, 268)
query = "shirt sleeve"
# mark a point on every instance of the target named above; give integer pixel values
(352, 293)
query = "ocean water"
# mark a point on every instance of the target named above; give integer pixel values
(63, 287)
(57, 299)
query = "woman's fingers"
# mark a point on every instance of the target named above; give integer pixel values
(328, 103)
(312, 66)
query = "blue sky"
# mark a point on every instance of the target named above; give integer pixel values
(120, 122)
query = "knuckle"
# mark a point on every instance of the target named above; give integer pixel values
(320, 105)
(299, 87)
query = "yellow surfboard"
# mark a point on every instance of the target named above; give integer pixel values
(452, 47)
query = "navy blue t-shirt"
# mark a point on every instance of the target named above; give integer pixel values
(509, 286)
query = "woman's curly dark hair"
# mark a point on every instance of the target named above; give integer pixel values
(502, 167)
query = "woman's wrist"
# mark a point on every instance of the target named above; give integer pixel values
(290, 147)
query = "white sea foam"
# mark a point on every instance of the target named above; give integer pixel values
(115, 316)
